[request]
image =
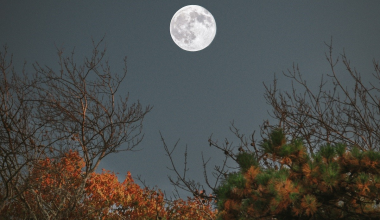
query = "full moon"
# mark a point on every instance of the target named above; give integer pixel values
(193, 28)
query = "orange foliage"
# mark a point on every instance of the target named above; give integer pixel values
(309, 204)
(103, 196)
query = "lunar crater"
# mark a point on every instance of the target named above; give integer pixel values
(193, 28)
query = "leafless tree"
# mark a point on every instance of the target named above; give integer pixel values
(332, 114)
(18, 129)
(75, 107)
(220, 172)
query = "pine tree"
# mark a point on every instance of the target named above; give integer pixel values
(337, 182)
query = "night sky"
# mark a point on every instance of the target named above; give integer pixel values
(194, 94)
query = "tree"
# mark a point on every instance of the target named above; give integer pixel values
(18, 148)
(345, 122)
(55, 128)
(329, 169)
(334, 183)
(45, 114)
(336, 115)
(104, 196)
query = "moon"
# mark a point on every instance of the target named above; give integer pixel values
(193, 28)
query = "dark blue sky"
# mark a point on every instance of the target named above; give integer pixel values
(194, 94)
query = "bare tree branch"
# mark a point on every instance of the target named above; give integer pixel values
(74, 107)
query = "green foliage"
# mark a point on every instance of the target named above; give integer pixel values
(294, 196)
(305, 186)
(372, 155)
(357, 153)
(246, 160)
(276, 139)
(340, 149)
(280, 175)
(327, 152)
(286, 150)
(329, 173)
(234, 180)
(263, 178)
(362, 177)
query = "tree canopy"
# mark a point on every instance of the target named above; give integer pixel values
(56, 126)
(335, 182)
(104, 197)
(317, 156)
(319, 160)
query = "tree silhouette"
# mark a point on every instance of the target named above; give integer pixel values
(335, 120)
(56, 127)
(46, 114)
